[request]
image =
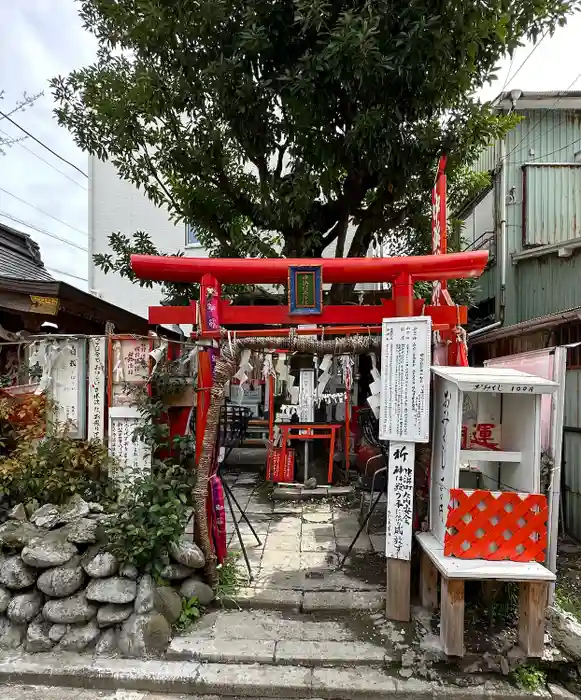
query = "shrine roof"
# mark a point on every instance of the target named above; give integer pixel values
(495, 379)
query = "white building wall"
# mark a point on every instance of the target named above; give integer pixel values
(479, 221)
(117, 205)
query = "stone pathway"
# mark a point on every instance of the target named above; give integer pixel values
(302, 544)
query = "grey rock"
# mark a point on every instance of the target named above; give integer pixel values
(24, 607)
(11, 634)
(70, 610)
(16, 535)
(31, 506)
(566, 631)
(112, 590)
(63, 580)
(15, 574)
(4, 599)
(187, 553)
(47, 516)
(196, 588)
(48, 551)
(129, 571)
(37, 636)
(56, 632)
(112, 614)
(144, 635)
(176, 572)
(18, 513)
(100, 565)
(83, 531)
(76, 508)
(168, 603)
(95, 507)
(107, 643)
(78, 637)
(145, 599)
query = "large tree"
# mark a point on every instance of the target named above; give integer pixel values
(272, 125)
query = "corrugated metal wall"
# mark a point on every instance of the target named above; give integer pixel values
(547, 285)
(572, 454)
(552, 203)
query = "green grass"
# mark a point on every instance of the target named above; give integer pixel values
(229, 579)
(569, 603)
(529, 678)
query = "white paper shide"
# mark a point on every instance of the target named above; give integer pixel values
(405, 379)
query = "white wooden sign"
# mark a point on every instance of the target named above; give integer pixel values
(129, 366)
(405, 379)
(400, 500)
(307, 396)
(133, 457)
(445, 448)
(96, 395)
(68, 373)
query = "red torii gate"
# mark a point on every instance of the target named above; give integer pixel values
(340, 319)
(212, 312)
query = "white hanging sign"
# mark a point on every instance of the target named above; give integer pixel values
(306, 395)
(400, 500)
(96, 395)
(133, 457)
(405, 379)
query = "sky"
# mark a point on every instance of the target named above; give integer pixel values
(40, 39)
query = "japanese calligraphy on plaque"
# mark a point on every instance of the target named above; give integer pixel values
(306, 395)
(133, 457)
(96, 388)
(400, 498)
(129, 365)
(305, 289)
(405, 379)
(68, 384)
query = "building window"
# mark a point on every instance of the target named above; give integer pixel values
(191, 237)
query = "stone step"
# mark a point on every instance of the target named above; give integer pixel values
(277, 653)
(258, 598)
(66, 670)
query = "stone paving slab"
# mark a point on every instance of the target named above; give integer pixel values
(266, 598)
(327, 653)
(341, 602)
(62, 672)
(237, 651)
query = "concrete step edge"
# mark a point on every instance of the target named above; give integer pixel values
(289, 652)
(307, 601)
(235, 680)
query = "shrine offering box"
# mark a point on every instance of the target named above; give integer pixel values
(487, 427)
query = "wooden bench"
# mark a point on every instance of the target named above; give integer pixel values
(533, 577)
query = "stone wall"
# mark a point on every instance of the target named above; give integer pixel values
(61, 589)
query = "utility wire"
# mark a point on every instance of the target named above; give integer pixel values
(68, 274)
(543, 117)
(44, 160)
(43, 231)
(64, 160)
(51, 216)
(557, 150)
(531, 52)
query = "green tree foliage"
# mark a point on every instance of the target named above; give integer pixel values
(273, 125)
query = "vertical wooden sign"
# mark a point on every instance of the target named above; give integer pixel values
(400, 500)
(96, 388)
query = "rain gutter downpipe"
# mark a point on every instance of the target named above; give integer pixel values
(503, 237)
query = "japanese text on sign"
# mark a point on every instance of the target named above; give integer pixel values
(68, 385)
(400, 495)
(133, 457)
(96, 408)
(405, 379)
(513, 388)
